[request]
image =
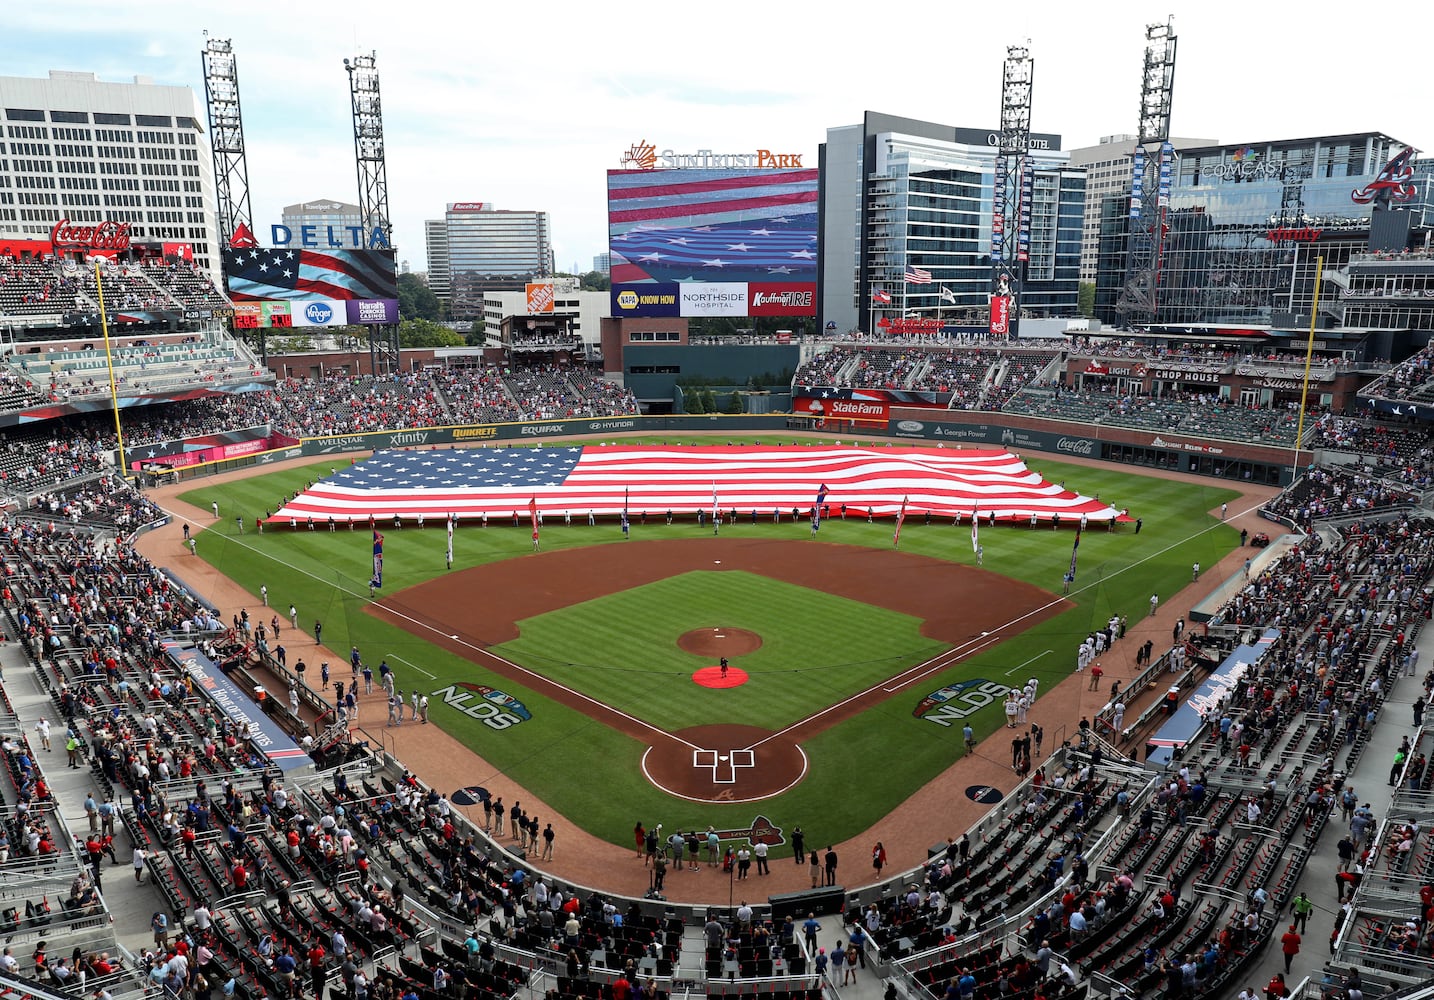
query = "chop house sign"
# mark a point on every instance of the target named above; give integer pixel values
(107, 236)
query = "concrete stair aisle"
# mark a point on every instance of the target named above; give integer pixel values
(131, 906)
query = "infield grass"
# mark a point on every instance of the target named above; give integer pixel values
(816, 649)
(886, 751)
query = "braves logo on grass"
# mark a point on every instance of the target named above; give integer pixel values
(762, 831)
(956, 701)
(495, 709)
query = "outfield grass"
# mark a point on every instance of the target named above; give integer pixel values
(816, 649)
(887, 752)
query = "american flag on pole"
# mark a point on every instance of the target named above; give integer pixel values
(1074, 550)
(918, 275)
(817, 508)
(975, 529)
(751, 477)
(900, 520)
(533, 516)
(451, 518)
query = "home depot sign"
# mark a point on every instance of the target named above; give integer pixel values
(540, 297)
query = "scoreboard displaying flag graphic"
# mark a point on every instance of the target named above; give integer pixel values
(744, 239)
(316, 287)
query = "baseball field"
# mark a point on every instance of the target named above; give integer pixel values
(590, 672)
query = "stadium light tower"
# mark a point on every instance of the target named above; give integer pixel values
(1153, 155)
(226, 135)
(372, 184)
(1011, 194)
(368, 143)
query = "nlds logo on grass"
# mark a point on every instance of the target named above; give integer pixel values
(495, 709)
(956, 701)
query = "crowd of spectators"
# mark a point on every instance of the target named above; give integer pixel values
(31, 286)
(1334, 492)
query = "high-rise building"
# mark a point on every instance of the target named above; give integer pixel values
(339, 215)
(435, 238)
(1247, 225)
(602, 263)
(903, 199)
(477, 248)
(1107, 172)
(90, 151)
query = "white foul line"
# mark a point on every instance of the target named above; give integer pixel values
(415, 666)
(477, 649)
(1028, 662)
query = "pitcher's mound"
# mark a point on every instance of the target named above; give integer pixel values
(719, 642)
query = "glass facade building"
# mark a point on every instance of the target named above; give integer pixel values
(1243, 231)
(478, 248)
(899, 194)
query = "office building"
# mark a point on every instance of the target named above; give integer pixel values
(1107, 173)
(900, 196)
(477, 248)
(602, 263)
(1247, 225)
(90, 151)
(339, 215)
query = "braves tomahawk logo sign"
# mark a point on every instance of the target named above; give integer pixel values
(1394, 182)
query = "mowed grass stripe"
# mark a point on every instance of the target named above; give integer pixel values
(622, 649)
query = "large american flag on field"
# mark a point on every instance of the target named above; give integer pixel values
(293, 273)
(606, 480)
(712, 225)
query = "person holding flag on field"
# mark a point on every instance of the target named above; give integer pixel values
(377, 580)
(625, 534)
(451, 519)
(975, 528)
(716, 513)
(817, 509)
(900, 517)
(533, 519)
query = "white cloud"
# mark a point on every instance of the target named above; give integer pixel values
(528, 106)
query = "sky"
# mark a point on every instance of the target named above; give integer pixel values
(528, 107)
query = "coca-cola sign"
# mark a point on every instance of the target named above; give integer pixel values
(108, 236)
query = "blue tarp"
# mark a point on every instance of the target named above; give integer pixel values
(234, 702)
(1184, 725)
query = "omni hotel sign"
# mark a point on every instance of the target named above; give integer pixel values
(644, 156)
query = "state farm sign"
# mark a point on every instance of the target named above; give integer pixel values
(109, 237)
(852, 409)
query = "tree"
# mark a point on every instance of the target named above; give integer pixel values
(416, 300)
(692, 401)
(1087, 299)
(595, 281)
(426, 333)
(477, 334)
(734, 403)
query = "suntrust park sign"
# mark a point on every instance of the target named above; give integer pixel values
(644, 156)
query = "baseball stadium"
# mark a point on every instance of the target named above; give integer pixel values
(658, 638)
